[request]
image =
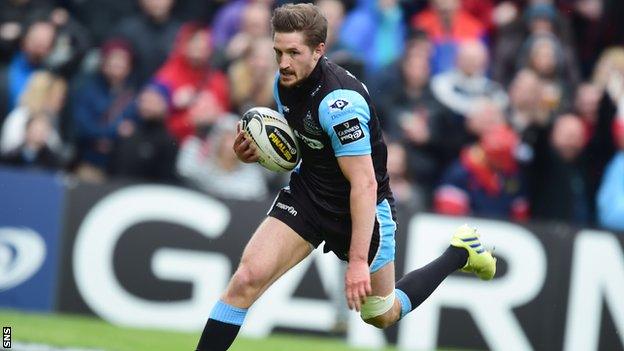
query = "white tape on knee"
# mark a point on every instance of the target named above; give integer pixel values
(376, 306)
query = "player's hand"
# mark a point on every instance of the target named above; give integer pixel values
(243, 147)
(357, 284)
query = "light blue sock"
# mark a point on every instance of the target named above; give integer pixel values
(225, 313)
(406, 304)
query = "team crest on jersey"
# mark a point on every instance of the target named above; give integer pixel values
(349, 131)
(310, 126)
(338, 104)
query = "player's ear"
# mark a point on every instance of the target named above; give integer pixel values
(319, 51)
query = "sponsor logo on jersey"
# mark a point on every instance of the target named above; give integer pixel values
(286, 208)
(312, 143)
(338, 104)
(310, 126)
(282, 144)
(349, 131)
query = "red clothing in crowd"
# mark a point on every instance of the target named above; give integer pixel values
(463, 26)
(447, 38)
(191, 87)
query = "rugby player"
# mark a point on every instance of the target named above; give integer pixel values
(339, 194)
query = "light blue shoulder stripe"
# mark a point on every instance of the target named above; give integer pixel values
(344, 115)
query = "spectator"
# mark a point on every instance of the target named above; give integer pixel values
(591, 32)
(411, 73)
(410, 113)
(539, 19)
(483, 11)
(559, 190)
(209, 164)
(36, 46)
(34, 151)
(101, 16)
(71, 44)
(198, 10)
(485, 115)
(544, 55)
(227, 22)
(448, 26)
(97, 109)
(609, 71)
(458, 89)
(524, 114)
(608, 77)
(608, 89)
(597, 124)
(610, 200)
(147, 151)
(404, 189)
(335, 48)
(524, 102)
(504, 13)
(15, 15)
(44, 93)
(252, 77)
(485, 180)
(152, 34)
(199, 93)
(411, 92)
(255, 25)
(374, 31)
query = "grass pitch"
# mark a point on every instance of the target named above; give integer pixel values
(89, 332)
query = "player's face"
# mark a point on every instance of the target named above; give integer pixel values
(296, 60)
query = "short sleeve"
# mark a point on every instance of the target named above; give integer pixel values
(344, 116)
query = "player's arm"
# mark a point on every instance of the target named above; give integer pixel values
(363, 197)
(344, 116)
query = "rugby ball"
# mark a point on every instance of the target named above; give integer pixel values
(275, 141)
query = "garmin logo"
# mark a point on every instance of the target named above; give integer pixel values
(22, 252)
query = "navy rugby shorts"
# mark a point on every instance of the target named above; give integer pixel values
(317, 225)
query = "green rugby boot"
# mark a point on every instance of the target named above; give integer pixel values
(480, 262)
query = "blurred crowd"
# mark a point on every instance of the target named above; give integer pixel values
(510, 109)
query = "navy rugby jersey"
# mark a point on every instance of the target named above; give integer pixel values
(332, 115)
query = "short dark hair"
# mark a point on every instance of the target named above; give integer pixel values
(306, 18)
